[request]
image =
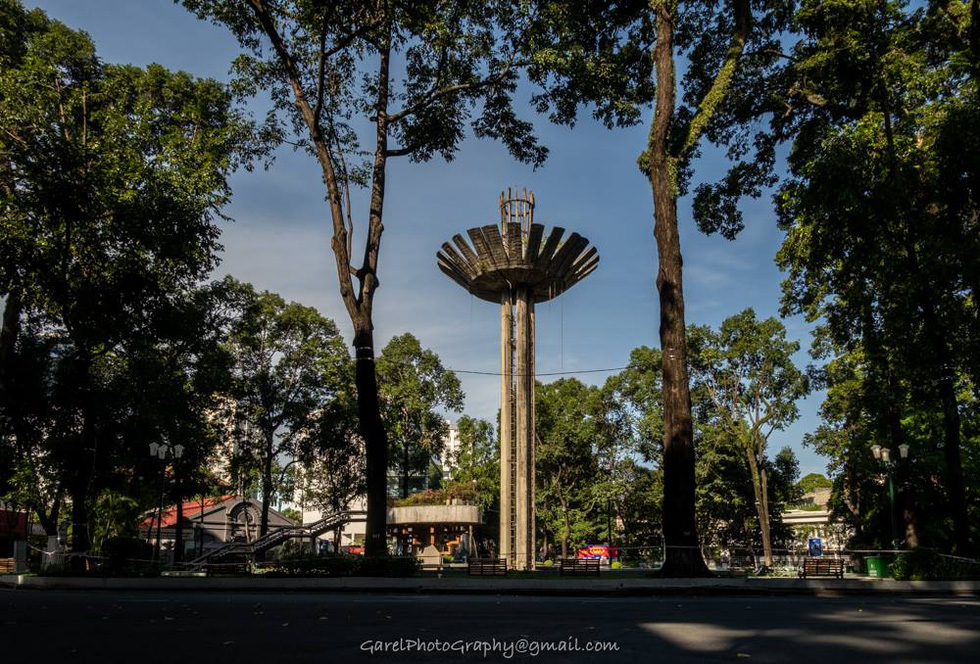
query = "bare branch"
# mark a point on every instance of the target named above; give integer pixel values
(339, 241)
(438, 93)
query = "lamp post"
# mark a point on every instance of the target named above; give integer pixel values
(884, 454)
(163, 453)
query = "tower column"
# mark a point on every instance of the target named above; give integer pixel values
(506, 429)
(516, 264)
(524, 526)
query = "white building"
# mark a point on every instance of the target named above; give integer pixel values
(813, 519)
(450, 451)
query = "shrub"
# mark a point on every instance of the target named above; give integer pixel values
(124, 552)
(396, 566)
(459, 491)
(928, 565)
(616, 565)
(427, 497)
(344, 565)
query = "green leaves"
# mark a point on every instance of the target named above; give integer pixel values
(111, 180)
(747, 369)
(413, 386)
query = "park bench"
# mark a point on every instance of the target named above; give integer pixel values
(487, 566)
(8, 565)
(822, 567)
(578, 567)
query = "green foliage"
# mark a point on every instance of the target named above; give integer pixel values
(813, 481)
(459, 491)
(924, 564)
(459, 61)
(879, 211)
(602, 55)
(111, 183)
(569, 425)
(304, 565)
(413, 386)
(477, 463)
(292, 514)
(115, 516)
(292, 377)
(748, 381)
(125, 553)
(784, 483)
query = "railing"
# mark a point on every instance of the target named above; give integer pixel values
(277, 537)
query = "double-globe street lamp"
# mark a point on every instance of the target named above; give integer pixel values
(163, 452)
(884, 454)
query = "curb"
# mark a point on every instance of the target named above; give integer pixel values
(620, 587)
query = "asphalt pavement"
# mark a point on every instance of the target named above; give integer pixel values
(239, 627)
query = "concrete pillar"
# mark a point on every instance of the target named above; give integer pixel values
(524, 526)
(20, 556)
(532, 437)
(506, 432)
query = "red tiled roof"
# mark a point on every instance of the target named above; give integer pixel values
(192, 508)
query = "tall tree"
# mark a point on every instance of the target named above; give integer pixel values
(413, 386)
(747, 369)
(477, 462)
(476, 466)
(622, 56)
(289, 365)
(328, 67)
(875, 93)
(331, 460)
(566, 467)
(113, 177)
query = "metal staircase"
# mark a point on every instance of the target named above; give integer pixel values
(277, 537)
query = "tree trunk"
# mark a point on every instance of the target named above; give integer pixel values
(764, 518)
(359, 304)
(267, 482)
(682, 555)
(761, 505)
(85, 467)
(405, 468)
(566, 532)
(906, 504)
(79, 524)
(945, 376)
(8, 340)
(49, 519)
(887, 396)
(375, 442)
(179, 525)
(954, 465)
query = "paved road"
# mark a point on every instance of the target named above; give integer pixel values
(212, 628)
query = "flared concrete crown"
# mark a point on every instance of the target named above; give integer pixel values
(496, 263)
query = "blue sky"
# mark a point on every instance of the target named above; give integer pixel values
(279, 240)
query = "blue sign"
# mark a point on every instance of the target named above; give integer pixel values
(815, 544)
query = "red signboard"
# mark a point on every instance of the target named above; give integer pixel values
(598, 552)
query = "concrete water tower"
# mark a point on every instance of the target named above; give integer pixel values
(513, 265)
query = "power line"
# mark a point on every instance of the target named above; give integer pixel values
(547, 373)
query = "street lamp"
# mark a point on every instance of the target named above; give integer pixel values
(883, 454)
(163, 452)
